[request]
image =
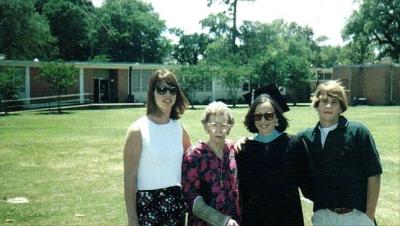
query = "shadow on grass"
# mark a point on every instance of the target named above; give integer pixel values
(53, 113)
(9, 114)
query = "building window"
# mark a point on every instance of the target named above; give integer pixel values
(245, 87)
(320, 75)
(140, 79)
(328, 76)
(146, 74)
(136, 80)
(207, 85)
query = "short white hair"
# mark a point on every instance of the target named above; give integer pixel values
(217, 108)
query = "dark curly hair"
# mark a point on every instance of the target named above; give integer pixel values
(249, 119)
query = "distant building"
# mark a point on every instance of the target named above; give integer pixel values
(374, 84)
(103, 83)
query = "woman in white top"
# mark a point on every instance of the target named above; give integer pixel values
(153, 153)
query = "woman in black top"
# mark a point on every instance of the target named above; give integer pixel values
(271, 167)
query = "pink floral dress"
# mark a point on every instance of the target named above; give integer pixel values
(205, 174)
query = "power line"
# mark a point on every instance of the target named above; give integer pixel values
(96, 17)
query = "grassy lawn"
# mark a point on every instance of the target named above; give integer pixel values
(70, 168)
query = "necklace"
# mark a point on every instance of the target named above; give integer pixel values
(219, 169)
(219, 174)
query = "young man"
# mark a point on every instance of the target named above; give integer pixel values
(344, 164)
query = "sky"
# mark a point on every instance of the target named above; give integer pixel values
(325, 17)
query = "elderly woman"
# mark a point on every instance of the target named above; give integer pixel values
(271, 166)
(209, 172)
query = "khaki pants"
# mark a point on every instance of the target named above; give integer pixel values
(325, 217)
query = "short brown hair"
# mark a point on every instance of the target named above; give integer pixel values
(249, 118)
(168, 77)
(333, 89)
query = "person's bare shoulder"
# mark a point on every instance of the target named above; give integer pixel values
(133, 129)
(133, 139)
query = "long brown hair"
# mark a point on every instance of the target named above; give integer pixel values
(168, 77)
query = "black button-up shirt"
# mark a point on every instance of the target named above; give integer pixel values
(339, 171)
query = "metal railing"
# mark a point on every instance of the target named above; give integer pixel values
(50, 102)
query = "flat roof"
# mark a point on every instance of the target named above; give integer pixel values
(94, 65)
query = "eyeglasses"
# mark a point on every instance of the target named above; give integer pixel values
(222, 126)
(162, 90)
(267, 116)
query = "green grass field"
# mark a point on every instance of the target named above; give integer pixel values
(70, 168)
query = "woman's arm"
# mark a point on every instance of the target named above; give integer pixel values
(132, 150)
(210, 215)
(186, 140)
(238, 144)
(190, 177)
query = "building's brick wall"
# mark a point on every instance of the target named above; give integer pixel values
(395, 77)
(378, 83)
(344, 74)
(88, 85)
(375, 84)
(41, 88)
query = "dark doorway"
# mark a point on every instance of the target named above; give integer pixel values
(101, 91)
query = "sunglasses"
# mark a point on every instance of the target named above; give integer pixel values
(162, 90)
(267, 116)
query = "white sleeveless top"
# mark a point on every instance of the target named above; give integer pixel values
(161, 156)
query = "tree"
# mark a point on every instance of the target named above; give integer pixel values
(190, 48)
(328, 56)
(217, 25)
(10, 81)
(69, 23)
(375, 25)
(279, 53)
(193, 77)
(232, 10)
(266, 46)
(233, 74)
(227, 66)
(130, 32)
(358, 52)
(59, 76)
(24, 34)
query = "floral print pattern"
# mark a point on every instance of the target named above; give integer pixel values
(205, 174)
(161, 207)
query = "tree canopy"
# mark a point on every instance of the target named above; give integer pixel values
(69, 24)
(254, 53)
(24, 33)
(375, 26)
(130, 32)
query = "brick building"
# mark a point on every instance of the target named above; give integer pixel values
(375, 84)
(102, 83)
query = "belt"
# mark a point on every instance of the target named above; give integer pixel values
(341, 210)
